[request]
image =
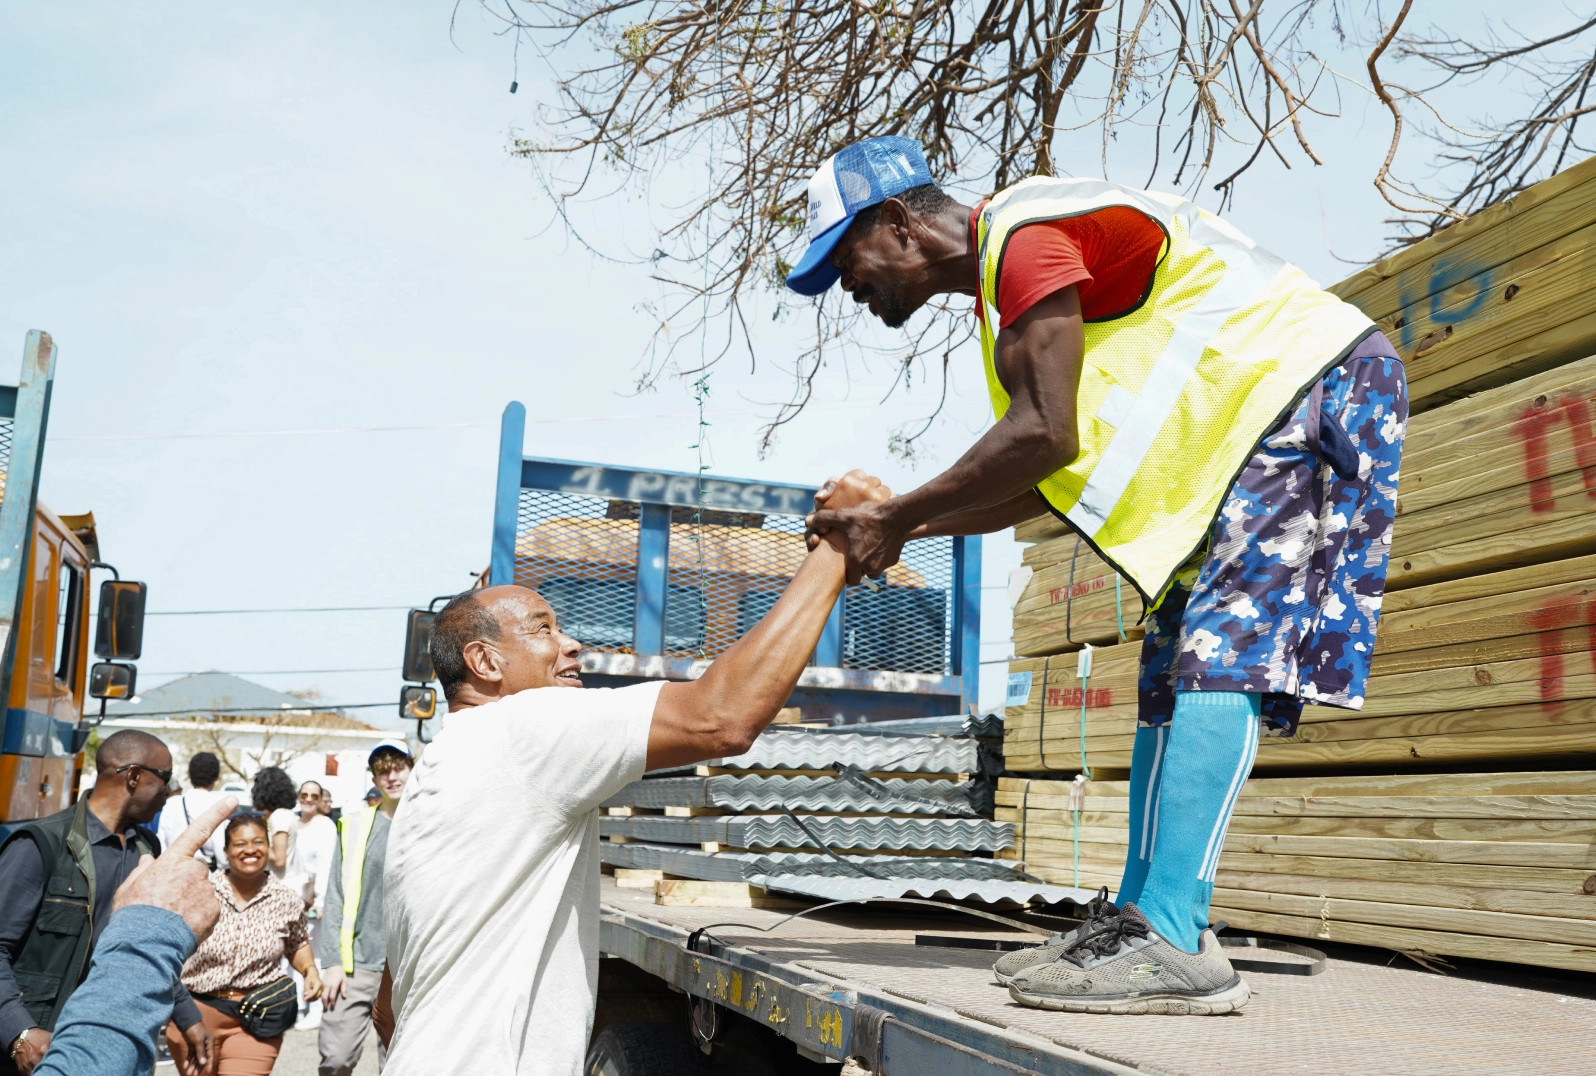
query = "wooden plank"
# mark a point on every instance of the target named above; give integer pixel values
(696, 812)
(630, 812)
(1527, 809)
(1502, 582)
(1562, 342)
(1525, 544)
(1532, 744)
(1521, 901)
(1535, 879)
(1498, 615)
(1496, 409)
(636, 878)
(1463, 335)
(690, 893)
(1465, 508)
(1531, 218)
(1403, 939)
(1335, 910)
(1546, 644)
(1495, 853)
(1041, 528)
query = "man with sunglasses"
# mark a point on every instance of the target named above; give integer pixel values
(57, 878)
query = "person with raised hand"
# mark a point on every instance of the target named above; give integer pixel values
(161, 913)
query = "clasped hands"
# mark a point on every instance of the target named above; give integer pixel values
(854, 512)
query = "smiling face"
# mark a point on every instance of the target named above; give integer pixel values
(531, 650)
(389, 772)
(247, 849)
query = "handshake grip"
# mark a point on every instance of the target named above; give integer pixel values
(846, 505)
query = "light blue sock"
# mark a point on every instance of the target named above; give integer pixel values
(1211, 748)
(1147, 771)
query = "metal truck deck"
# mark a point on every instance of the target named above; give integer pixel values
(823, 981)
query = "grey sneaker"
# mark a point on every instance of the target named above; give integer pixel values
(1125, 967)
(1011, 964)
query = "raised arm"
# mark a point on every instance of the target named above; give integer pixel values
(721, 712)
(1039, 364)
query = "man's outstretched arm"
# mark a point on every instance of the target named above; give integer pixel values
(721, 712)
(1039, 363)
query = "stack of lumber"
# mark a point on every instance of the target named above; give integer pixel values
(1497, 297)
(1495, 866)
(1489, 668)
(1070, 597)
(811, 803)
(1487, 641)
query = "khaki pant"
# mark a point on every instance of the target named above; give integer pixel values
(343, 1029)
(241, 1053)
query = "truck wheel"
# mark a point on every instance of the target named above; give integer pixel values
(644, 1050)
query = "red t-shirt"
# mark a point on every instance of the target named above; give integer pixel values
(1109, 256)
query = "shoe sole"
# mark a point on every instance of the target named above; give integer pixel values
(1228, 999)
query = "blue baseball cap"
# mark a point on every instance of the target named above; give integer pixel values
(864, 174)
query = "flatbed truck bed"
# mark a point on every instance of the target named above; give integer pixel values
(851, 981)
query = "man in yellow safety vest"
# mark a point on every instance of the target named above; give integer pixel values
(353, 941)
(1219, 429)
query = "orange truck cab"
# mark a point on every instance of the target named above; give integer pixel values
(44, 623)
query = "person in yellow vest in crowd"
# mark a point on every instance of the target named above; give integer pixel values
(352, 945)
(1219, 429)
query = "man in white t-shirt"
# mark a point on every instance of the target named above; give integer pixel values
(204, 769)
(492, 879)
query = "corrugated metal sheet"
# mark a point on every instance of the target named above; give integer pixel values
(746, 866)
(986, 892)
(806, 749)
(779, 831)
(980, 726)
(963, 799)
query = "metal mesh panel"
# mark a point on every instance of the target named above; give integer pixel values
(726, 570)
(5, 452)
(902, 625)
(582, 556)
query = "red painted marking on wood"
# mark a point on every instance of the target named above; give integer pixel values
(1058, 594)
(1578, 413)
(1061, 697)
(1534, 429)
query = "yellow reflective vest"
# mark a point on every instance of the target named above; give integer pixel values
(1176, 393)
(354, 831)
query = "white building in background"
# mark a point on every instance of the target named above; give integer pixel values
(249, 726)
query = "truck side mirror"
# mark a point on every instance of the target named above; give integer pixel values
(120, 632)
(112, 680)
(418, 703)
(418, 641)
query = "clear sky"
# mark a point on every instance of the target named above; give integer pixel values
(243, 223)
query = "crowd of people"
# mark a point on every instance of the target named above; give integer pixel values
(287, 947)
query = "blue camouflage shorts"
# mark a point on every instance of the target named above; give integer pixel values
(1285, 598)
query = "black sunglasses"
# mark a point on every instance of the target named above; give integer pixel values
(164, 775)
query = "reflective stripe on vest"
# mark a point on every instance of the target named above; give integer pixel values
(354, 849)
(1176, 393)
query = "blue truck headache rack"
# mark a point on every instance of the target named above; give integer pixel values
(657, 572)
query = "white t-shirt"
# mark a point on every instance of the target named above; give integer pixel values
(492, 882)
(174, 821)
(282, 820)
(313, 853)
